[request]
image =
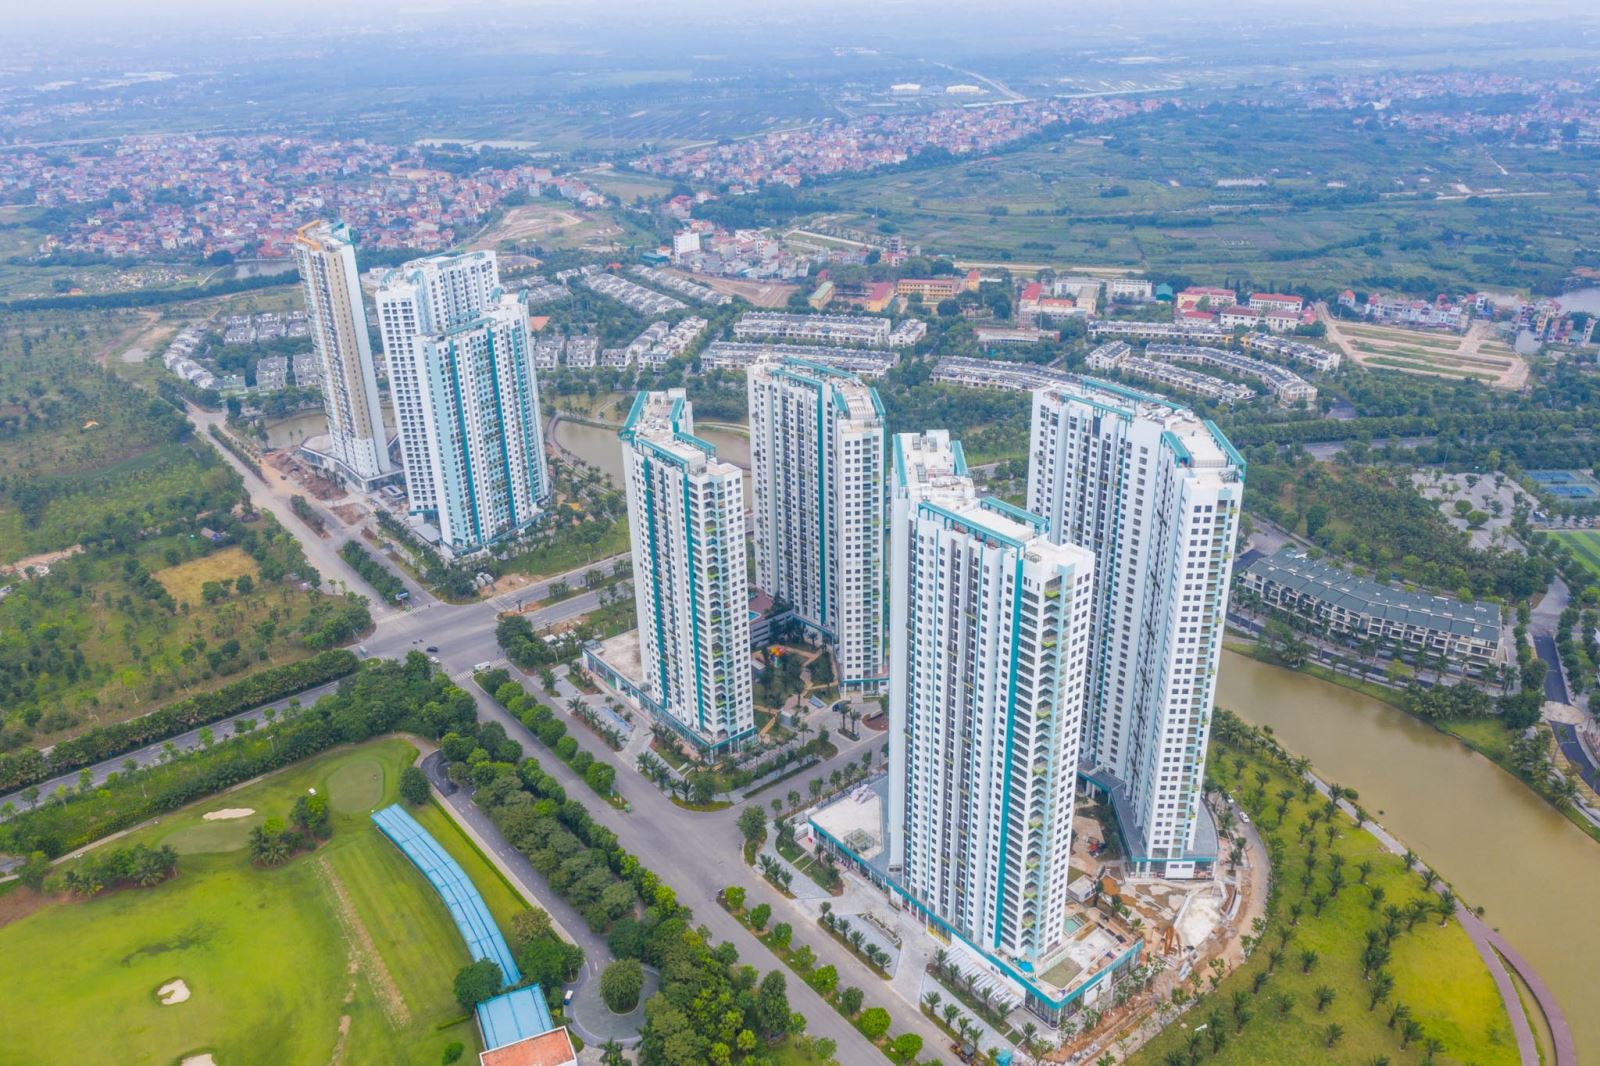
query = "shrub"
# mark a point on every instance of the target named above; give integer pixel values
(621, 984)
(453, 1052)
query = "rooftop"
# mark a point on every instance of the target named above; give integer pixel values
(664, 421)
(513, 1016)
(1340, 588)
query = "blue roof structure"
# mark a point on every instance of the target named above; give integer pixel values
(514, 1016)
(460, 896)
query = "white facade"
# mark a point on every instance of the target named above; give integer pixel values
(817, 460)
(1155, 493)
(989, 639)
(425, 298)
(325, 254)
(686, 513)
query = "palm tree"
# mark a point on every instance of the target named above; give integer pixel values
(1410, 1030)
(1335, 1034)
(950, 1012)
(1308, 959)
(1445, 906)
(1324, 996)
(931, 1002)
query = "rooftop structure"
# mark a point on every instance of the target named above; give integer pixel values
(867, 331)
(1285, 385)
(734, 354)
(1467, 634)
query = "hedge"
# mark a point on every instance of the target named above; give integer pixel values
(30, 766)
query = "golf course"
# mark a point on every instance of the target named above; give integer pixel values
(343, 954)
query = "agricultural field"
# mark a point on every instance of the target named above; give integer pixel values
(1337, 206)
(341, 954)
(1478, 355)
(1585, 545)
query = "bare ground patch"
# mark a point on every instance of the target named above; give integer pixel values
(363, 952)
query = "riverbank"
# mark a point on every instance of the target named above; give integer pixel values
(1486, 834)
(1486, 736)
(1314, 981)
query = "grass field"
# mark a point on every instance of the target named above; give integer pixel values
(344, 954)
(1437, 973)
(1585, 545)
(184, 581)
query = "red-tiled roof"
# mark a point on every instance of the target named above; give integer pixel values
(546, 1049)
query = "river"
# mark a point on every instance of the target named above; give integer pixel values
(1536, 875)
(599, 447)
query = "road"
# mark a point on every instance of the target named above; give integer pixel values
(151, 754)
(1543, 621)
(698, 854)
(322, 553)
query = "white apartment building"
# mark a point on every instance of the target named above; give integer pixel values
(357, 443)
(686, 513)
(482, 439)
(425, 298)
(1154, 492)
(989, 643)
(817, 458)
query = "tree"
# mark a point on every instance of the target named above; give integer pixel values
(907, 1046)
(759, 915)
(752, 823)
(34, 872)
(850, 1000)
(874, 1022)
(772, 1006)
(734, 896)
(476, 982)
(414, 786)
(621, 984)
(530, 923)
(825, 979)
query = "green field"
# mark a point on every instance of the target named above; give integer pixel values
(350, 937)
(1339, 205)
(1436, 971)
(1585, 545)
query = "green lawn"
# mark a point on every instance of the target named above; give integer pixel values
(1585, 546)
(265, 952)
(1437, 973)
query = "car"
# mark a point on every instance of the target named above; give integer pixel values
(431, 650)
(566, 998)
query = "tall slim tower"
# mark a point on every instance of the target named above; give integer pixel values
(817, 457)
(988, 645)
(483, 434)
(1154, 491)
(691, 587)
(426, 297)
(359, 444)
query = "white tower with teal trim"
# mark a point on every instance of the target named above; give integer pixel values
(424, 298)
(989, 631)
(358, 442)
(691, 586)
(817, 460)
(1154, 491)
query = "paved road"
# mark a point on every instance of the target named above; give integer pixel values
(1567, 737)
(698, 854)
(1555, 685)
(321, 553)
(221, 731)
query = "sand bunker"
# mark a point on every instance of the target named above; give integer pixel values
(173, 992)
(199, 1060)
(228, 814)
